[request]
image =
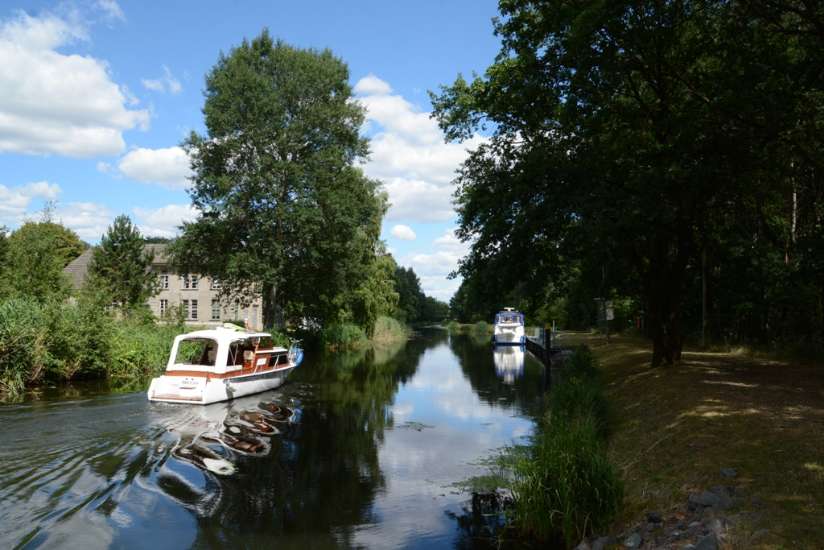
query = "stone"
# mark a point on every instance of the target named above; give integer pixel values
(583, 546)
(710, 542)
(600, 543)
(654, 517)
(633, 541)
(718, 498)
(729, 472)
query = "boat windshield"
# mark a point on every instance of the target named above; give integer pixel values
(197, 351)
(509, 317)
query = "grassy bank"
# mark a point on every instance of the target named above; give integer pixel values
(676, 427)
(564, 486)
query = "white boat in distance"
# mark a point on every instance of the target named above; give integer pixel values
(207, 366)
(509, 328)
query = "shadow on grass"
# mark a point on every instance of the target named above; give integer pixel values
(678, 426)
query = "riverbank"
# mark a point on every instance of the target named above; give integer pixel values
(682, 430)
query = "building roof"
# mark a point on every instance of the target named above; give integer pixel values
(78, 268)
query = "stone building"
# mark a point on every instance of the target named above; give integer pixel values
(199, 296)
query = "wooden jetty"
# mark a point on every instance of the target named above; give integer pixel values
(543, 347)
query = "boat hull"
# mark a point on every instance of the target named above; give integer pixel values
(506, 336)
(193, 388)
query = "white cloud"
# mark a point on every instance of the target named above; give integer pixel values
(15, 201)
(403, 232)
(57, 103)
(371, 84)
(409, 155)
(103, 167)
(111, 9)
(166, 83)
(168, 166)
(433, 267)
(164, 221)
(88, 219)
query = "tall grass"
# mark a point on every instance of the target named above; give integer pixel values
(388, 330)
(564, 486)
(343, 336)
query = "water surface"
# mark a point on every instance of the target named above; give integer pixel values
(371, 457)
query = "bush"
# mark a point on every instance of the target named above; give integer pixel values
(581, 365)
(140, 350)
(337, 336)
(388, 329)
(565, 488)
(454, 327)
(482, 327)
(577, 398)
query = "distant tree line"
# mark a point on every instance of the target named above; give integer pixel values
(665, 153)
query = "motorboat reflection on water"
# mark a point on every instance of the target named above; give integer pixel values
(207, 366)
(509, 363)
(509, 328)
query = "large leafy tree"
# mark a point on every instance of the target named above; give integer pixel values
(35, 256)
(122, 266)
(283, 208)
(631, 138)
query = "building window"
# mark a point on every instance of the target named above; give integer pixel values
(215, 283)
(164, 307)
(215, 310)
(193, 314)
(190, 282)
(164, 281)
(185, 305)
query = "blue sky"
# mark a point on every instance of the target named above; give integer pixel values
(96, 96)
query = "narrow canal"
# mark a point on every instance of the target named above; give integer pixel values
(372, 457)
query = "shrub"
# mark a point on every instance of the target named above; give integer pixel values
(23, 351)
(453, 327)
(343, 336)
(565, 488)
(581, 364)
(482, 327)
(388, 329)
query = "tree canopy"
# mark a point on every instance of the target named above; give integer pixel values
(638, 148)
(283, 208)
(122, 267)
(35, 255)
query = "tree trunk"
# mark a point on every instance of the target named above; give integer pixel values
(666, 275)
(272, 313)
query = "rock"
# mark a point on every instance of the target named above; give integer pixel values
(719, 498)
(718, 526)
(729, 472)
(710, 542)
(600, 543)
(633, 541)
(653, 517)
(583, 546)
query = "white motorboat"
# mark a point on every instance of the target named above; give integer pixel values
(509, 328)
(207, 366)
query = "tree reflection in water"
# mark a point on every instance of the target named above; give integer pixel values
(323, 473)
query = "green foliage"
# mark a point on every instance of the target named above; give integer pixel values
(36, 254)
(122, 267)
(565, 486)
(23, 350)
(388, 330)
(376, 295)
(342, 336)
(280, 196)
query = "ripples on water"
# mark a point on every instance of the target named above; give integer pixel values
(369, 456)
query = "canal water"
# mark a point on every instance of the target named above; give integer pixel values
(375, 455)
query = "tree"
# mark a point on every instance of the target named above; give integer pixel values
(36, 254)
(283, 209)
(627, 139)
(122, 267)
